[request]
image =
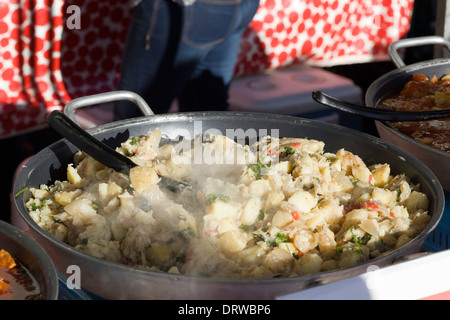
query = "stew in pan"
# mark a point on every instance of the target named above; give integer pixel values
(422, 94)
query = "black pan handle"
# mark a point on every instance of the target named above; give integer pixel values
(107, 156)
(377, 114)
(86, 142)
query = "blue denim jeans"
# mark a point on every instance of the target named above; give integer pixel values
(183, 52)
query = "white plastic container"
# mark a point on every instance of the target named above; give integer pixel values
(423, 278)
(288, 91)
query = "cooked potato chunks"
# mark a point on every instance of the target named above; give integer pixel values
(143, 178)
(232, 241)
(73, 176)
(251, 211)
(416, 201)
(303, 201)
(281, 218)
(381, 174)
(284, 208)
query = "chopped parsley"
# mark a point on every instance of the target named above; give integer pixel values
(279, 238)
(35, 206)
(244, 227)
(339, 250)
(94, 206)
(289, 150)
(60, 222)
(399, 192)
(261, 215)
(259, 169)
(21, 191)
(360, 240)
(213, 197)
(133, 141)
(258, 237)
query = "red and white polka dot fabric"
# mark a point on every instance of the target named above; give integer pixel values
(322, 32)
(44, 63)
(92, 54)
(30, 81)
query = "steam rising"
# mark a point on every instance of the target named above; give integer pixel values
(257, 206)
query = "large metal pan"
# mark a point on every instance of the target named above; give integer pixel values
(116, 281)
(437, 160)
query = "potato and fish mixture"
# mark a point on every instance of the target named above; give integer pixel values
(280, 207)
